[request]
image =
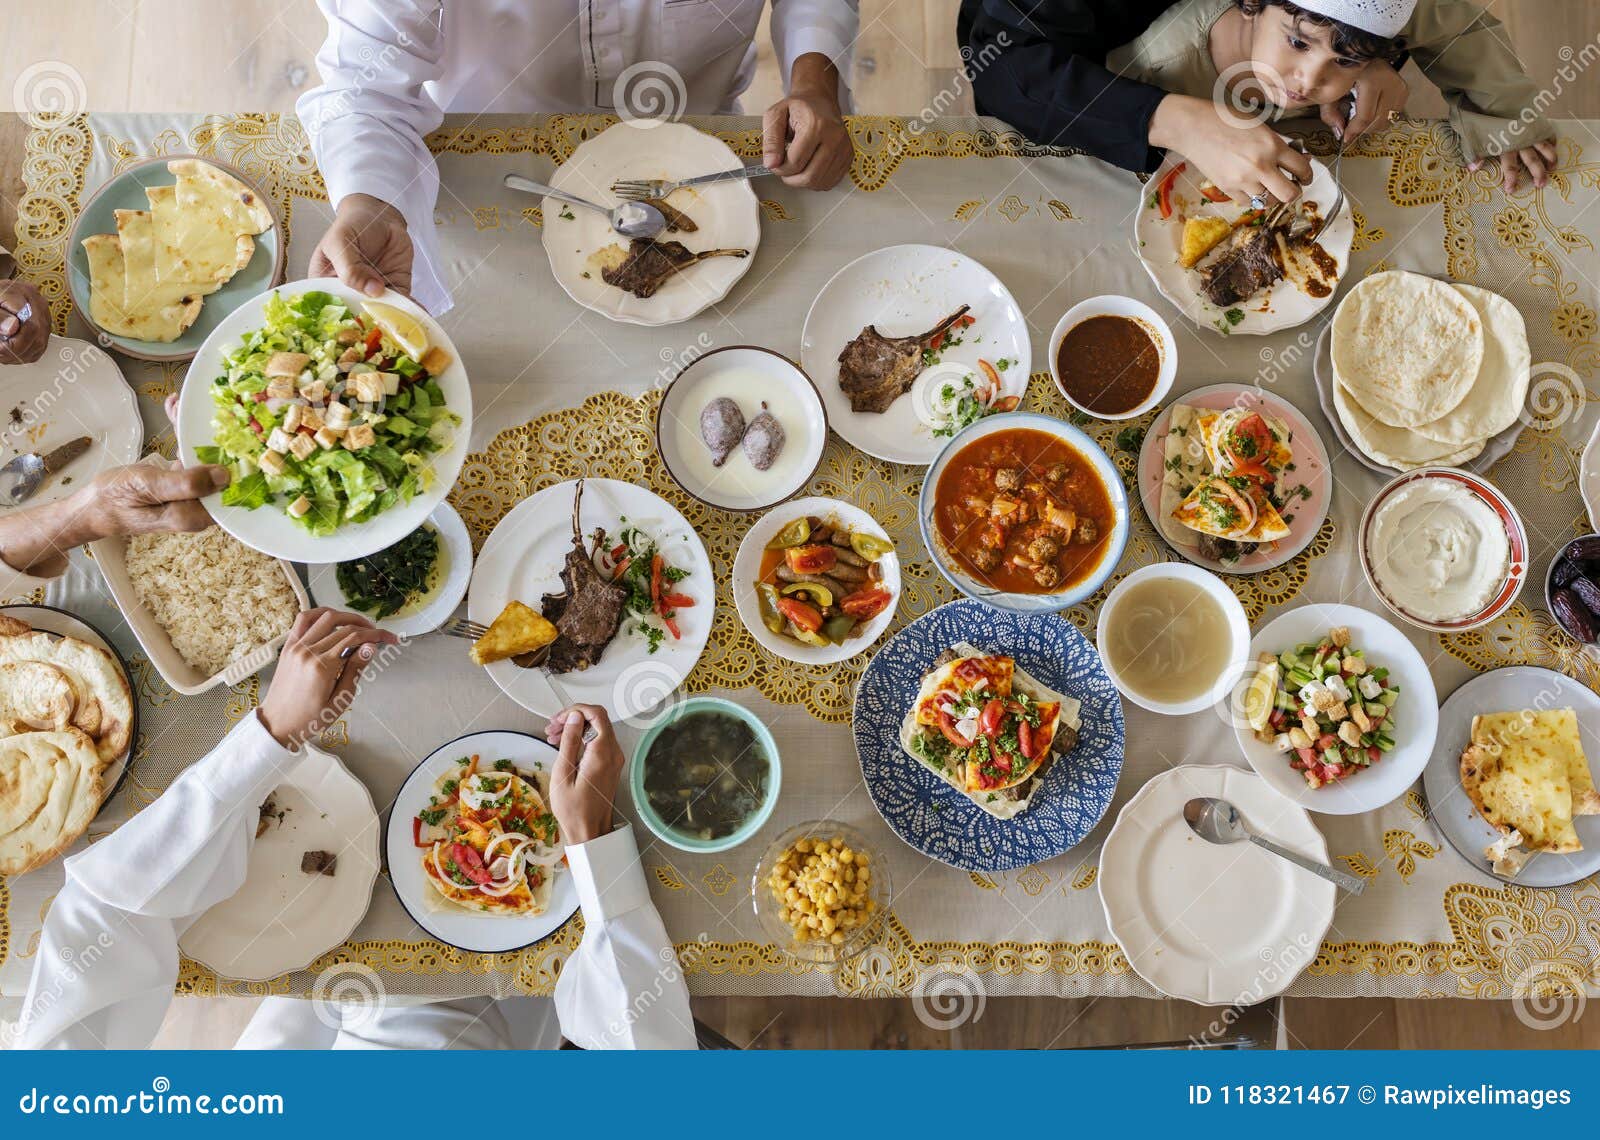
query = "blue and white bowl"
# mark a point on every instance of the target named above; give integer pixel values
(1005, 600)
(932, 816)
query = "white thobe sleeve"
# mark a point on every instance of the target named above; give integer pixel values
(800, 27)
(108, 954)
(368, 120)
(622, 988)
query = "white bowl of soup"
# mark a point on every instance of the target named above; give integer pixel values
(1173, 638)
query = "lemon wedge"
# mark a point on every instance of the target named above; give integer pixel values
(400, 327)
(1258, 700)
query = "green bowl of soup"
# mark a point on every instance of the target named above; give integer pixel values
(706, 776)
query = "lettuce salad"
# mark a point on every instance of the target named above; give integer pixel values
(324, 415)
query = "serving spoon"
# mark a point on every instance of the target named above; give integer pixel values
(630, 219)
(1217, 821)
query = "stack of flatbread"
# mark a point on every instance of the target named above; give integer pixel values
(66, 716)
(148, 280)
(1424, 371)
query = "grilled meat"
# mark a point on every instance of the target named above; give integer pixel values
(588, 613)
(876, 370)
(651, 264)
(1247, 264)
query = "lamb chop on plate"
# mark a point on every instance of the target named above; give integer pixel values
(650, 264)
(876, 370)
(1248, 263)
(586, 614)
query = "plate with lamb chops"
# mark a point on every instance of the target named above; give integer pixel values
(713, 230)
(911, 343)
(1225, 266)
(618, 580)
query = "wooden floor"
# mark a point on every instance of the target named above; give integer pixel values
(150, 55)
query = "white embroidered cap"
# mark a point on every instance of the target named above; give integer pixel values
(1380, 17)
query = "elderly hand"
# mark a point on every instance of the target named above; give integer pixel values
(585, 779)
(1244, 159)
(24, 323)
(368, 247)
(803, 137)
(1536, 161)
(318, 670)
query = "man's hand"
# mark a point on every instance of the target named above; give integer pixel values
(1536, 161)
(24, 323)
(585, 779)
(315, 682)
(368, 247)
(803, 136)
(1379, 93)
(1244, 159)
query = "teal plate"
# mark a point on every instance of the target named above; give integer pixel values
(126, 192)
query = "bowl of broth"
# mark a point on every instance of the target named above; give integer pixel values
(706, 777)
(1113, 357)
(1173, 638)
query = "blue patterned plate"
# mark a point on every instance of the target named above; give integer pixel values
(932, 816)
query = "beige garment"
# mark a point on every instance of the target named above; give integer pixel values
(1494, 106)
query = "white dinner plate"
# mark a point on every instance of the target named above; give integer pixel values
(282, 918)
(726, 214)
(455, 548)
(1508, 690)
(74, 389)
(904, 290)
(522, 560)
(464, 929)
(1158, 241)
(1414, 723)
(1212, 923)
(747, 565)
(269, 529)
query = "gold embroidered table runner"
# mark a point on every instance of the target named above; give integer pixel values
(561, 392)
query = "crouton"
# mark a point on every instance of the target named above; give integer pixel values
(1340, 636)
(1353, 665)
(280, 387)
(302, 445)
(337, 415)
(278, 441)
(355, 354)
(348, 336)
(367, 386)
(359, 436)
(292, 415)
(316, 391)
(311, 417)
(1359, 717)
(286, 364)
(300, 507)
(1310, 727)
(272, 463)
(1349, 733)
(391, 382)
(1299, 738)
(435, 360)
(326, 438)
(1325, 701)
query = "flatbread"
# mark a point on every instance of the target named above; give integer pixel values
(103, 707)
(533, 795)
(1407, 347)
(50, 789)
(1400, 448)
(198, 250)
(111, 308)
(1518, 773)
(1497, 396)
(211, 192)
(34, 697)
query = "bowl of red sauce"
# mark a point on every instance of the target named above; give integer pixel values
(1024, 512)
(1113, 357)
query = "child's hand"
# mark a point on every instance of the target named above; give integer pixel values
(1537, 161)
(1380, 98)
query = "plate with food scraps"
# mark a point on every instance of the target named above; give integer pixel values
(1365, 689)
(308, 879)
(195, 236)
(620, 651)
(74, 391)
(409, 588)
(500, 884)
(331, 459)
(1232, 460)
(59, 625)
(1011, 819)
(1208, 923)
(911, 343)
(1528, 724)
(816, 562)
(1239, 284)
(681, 271)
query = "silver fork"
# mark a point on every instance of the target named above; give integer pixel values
(638, 189)
(472, 631)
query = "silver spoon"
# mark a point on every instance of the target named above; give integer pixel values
(1217, 821)
(630, 219)
(20, 478)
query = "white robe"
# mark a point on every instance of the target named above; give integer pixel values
(391, 69)
(108, 954)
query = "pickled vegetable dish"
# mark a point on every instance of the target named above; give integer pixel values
(820, 583)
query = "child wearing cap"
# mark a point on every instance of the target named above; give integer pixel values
(1293, 57)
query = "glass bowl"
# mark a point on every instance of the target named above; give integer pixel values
(769, 911)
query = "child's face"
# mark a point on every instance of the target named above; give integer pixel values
(1294, 61)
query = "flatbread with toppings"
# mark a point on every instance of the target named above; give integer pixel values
(1527, 776)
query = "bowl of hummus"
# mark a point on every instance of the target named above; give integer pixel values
(1443, 549)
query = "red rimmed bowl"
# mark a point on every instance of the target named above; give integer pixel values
(1487, 493)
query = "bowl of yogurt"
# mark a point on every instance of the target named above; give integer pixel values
(1443, 549)
(741, 428)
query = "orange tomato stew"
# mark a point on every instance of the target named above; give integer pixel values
(1023, 512)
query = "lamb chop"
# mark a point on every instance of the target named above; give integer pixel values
(587, 614)
(1247, 264)
(876, 370)
(650, 264)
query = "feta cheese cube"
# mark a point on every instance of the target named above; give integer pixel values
(1369, 687)
(1336, 685)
